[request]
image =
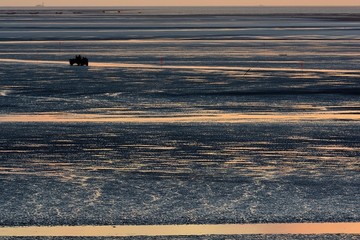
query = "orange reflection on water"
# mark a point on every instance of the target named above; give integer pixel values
(182, 230)
(214, 117)
(192, 67)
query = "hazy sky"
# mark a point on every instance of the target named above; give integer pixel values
(177, 2)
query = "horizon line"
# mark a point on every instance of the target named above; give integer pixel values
(45, 6)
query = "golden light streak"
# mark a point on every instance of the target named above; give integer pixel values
(192, 67)
(181, 230)
(191, 118)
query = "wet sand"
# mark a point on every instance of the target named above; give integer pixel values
(216, 119)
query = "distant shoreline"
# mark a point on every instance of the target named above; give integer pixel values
(194, 11)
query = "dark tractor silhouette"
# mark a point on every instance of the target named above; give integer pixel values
(80, 61)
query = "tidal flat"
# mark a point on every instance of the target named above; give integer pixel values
(188, 116)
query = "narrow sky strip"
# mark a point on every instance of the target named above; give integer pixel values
(179, 3)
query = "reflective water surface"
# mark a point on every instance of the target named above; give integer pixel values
(201, 119)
